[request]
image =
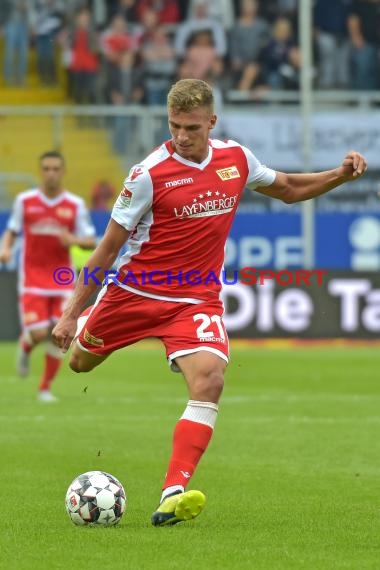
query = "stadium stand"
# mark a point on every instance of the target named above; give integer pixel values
(124, 52)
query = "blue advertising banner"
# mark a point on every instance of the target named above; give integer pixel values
(273, 240)
(344, 241)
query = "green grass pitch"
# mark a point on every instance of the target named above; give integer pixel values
(292, 476)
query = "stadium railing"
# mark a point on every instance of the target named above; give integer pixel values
(88, 135)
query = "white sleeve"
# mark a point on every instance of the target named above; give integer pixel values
(258, 174)
(83, 224)
(135, 199)
(15, 221)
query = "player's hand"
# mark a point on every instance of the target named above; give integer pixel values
(354, 165)
(66, 238)
(5, 255)
(64, 332)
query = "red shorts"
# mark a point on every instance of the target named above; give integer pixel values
(120, 318)
(37, 311)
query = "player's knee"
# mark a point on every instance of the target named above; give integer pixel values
(77, 364)
(217, 382)
(209, 386)
(38, 335)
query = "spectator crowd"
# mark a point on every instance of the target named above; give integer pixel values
(124, 51)
(130, 51)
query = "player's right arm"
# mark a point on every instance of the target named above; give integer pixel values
(133, 202)
(7, 246)
(99, 262)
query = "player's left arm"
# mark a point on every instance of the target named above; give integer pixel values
(68, 239)
(297, 187)
(84, 233)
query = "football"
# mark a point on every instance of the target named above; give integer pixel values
(95, 498)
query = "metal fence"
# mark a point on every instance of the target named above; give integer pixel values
(101, 142)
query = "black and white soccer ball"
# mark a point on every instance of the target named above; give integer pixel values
(95, 498)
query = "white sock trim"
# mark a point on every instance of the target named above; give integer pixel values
(201, 412)
(170, 490)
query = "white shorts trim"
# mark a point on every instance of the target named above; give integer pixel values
(173, 355)
(46, 292)
(81, 323)
(159, 297)
(39, 325)
(86, 349)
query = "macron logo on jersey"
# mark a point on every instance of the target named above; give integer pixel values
(126, 193)
(136, 172)
(46, 227)
(181, 182)
(34, 209)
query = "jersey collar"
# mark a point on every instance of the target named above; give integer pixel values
(199, 165)
(51, 201)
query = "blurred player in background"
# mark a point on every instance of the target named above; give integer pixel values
(176, 210)
(51, 221)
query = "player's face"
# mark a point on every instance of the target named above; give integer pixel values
(52, 170)
(190, 132)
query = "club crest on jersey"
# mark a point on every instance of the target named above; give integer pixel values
(126, 197)
(64, 212)
(228, 173)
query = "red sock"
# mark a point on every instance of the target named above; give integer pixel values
(190, 440)
(52, 365)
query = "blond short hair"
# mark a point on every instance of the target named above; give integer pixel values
(189, 94)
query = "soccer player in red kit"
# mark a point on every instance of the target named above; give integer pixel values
(175, 212)
(51, 220)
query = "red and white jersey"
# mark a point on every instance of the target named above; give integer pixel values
(41, 220)
(179, 214)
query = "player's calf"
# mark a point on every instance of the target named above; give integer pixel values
(28, 340)
(206, 387)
